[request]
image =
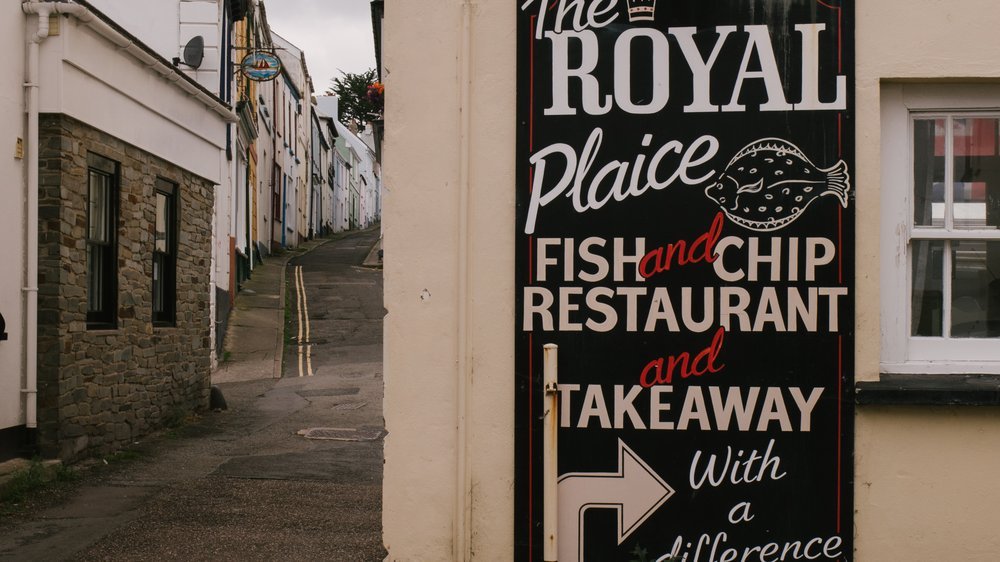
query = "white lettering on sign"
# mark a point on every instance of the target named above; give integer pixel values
(615, 180)
(597, 100)
(735, 468)
(711, 408)
(571, 14)
(714, 550)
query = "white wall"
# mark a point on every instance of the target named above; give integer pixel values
(154, 23)
(265, 162)
(12, 127)
(167, 25)
(86, 77)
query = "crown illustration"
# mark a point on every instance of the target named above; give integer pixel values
(641, 10)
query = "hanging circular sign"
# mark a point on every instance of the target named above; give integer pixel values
(260, 66)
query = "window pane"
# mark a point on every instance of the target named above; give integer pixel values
(98, 196)
(160, 244)
(928, 172)
(976, 181)
(157, 283)
(975, 300)
(928, 289)
(95, 278)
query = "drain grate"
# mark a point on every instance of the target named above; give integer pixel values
(317, 392)
(350, 406)
(341, 434)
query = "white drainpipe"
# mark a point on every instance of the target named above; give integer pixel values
(30, 288)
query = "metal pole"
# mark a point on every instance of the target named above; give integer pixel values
(551, 454)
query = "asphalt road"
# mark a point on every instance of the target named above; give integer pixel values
(292, 471)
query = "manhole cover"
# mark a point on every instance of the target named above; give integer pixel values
(341, 434)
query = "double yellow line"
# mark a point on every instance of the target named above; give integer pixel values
(305, 351)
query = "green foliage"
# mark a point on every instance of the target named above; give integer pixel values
(354, 102)
(23, 483)
(36, 477)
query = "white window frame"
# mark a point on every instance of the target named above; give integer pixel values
(901, 103)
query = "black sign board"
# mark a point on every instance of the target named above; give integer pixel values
(685, 235)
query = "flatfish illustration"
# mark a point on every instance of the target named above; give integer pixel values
(770, 182)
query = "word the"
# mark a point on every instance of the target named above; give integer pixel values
(598, 14)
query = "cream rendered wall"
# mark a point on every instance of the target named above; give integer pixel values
(423, 64)
(12, 128)
(926, 477)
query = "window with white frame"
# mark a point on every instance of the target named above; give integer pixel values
(941, 228)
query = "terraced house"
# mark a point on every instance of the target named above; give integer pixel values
(117, 333)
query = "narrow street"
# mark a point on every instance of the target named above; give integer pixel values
(292, 470)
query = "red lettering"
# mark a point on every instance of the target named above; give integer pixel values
(705, 362)
(710, 239)
(653, 255)
(656, 364)
(702, 249)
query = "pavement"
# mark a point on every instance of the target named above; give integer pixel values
(292, 470)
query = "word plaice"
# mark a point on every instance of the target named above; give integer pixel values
(685, 236)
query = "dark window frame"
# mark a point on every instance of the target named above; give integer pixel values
(164, 272)
(103, 174)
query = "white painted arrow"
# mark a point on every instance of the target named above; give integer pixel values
(635, 492)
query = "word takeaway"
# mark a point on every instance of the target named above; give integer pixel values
(711, 408)
(583, 45)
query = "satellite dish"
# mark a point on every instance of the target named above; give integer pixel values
(194, 51)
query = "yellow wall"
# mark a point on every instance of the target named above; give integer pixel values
(926, 485)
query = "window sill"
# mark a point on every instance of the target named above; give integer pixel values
(930, 390)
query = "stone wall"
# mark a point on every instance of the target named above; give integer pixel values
(102, 389)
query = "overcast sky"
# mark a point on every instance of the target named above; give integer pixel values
(335, 35)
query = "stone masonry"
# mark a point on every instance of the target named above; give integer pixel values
(102, 389)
